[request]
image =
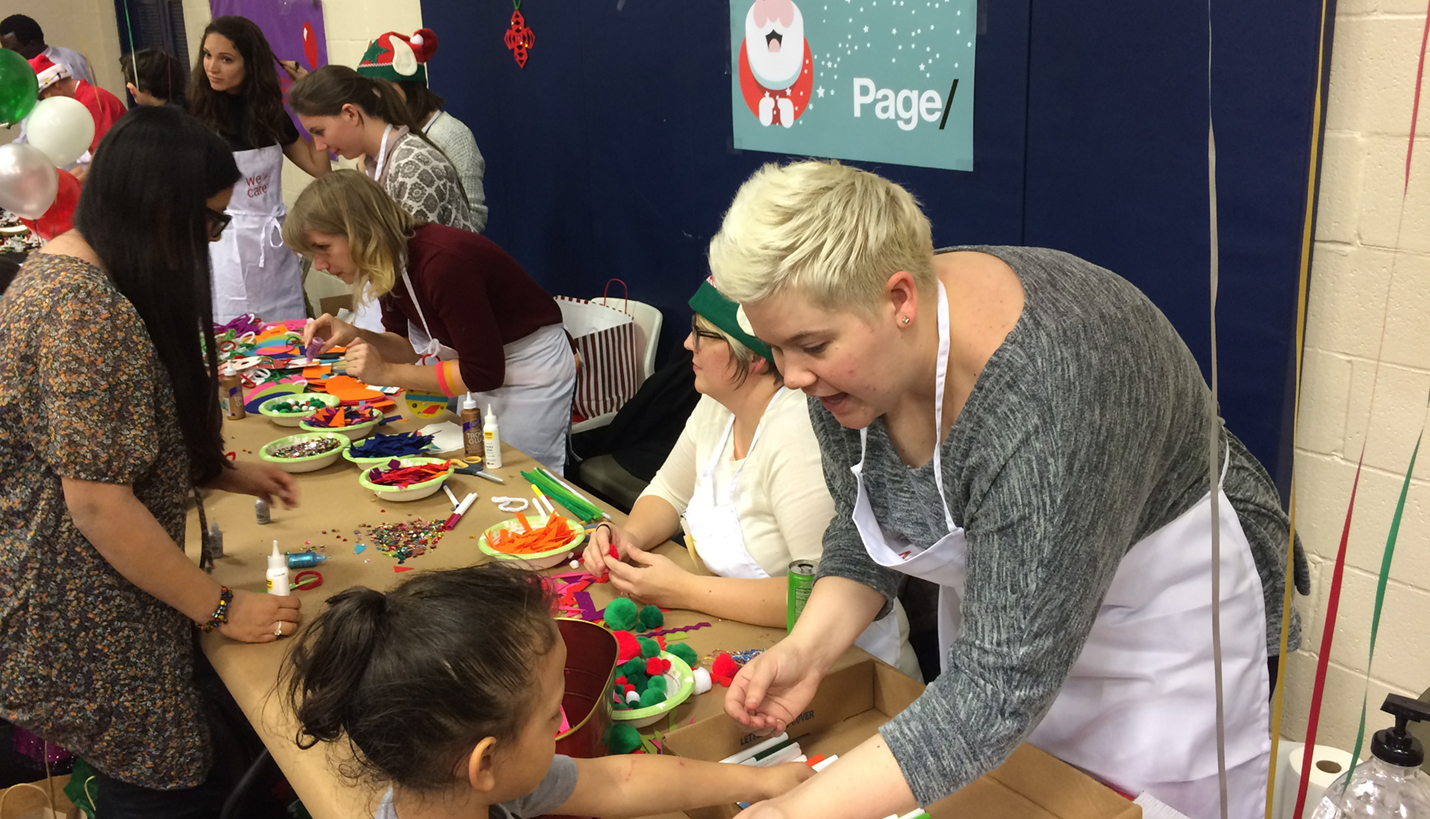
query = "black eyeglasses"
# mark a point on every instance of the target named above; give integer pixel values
(697, 333)
(216, 221)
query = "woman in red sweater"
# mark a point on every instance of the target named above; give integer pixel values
(459, 314)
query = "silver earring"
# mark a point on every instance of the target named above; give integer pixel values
(906, 320)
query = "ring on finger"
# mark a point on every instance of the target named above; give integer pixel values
(278, 632)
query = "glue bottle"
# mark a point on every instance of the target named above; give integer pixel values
(492, 435)
(472, 430)
(305, 560)
(231, 395)
(277, 573)
(1391, 782)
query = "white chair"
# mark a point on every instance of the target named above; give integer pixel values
(648, 320)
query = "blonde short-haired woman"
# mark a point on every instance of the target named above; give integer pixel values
(1027, 431)
(459, 314)
(745, 476)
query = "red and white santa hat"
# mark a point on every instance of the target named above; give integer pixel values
(398, 58)
(47, 71)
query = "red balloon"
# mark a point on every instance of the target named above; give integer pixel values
(60, 217)
(310, 45)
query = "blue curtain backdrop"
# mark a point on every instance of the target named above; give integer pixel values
(609, 156)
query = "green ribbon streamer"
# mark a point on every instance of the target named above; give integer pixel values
(1380, 598)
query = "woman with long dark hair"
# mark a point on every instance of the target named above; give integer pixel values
(109, 421)
(234, 90)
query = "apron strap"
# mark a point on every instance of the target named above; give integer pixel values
(708, 472)
(415, 303)
(381, 154)
(940, 379)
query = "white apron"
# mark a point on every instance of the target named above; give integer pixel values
(253, 272)
(1137, 709)
(533, 404)
(715, 526)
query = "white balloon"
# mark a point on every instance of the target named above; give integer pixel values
(61, 127)
(29, 182)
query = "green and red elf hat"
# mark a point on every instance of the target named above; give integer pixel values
(399, 58)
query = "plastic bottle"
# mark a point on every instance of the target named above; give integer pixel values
(277, 573)
(305, 560)
(230, 395)
(492, 435)
(262, 512)
(1391, 783)
(472, 441)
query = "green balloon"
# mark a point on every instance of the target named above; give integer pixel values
(19, 89)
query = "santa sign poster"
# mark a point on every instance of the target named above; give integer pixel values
(878, 80)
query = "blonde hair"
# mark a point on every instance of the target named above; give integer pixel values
(834, 232)
(741, 357)
(346, 203)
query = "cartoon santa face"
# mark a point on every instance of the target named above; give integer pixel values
(774, 42)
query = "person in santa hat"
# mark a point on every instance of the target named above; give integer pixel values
(55, 81)
(446, 131)
(233, 89)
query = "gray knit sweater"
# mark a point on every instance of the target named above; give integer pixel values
(1085, 432)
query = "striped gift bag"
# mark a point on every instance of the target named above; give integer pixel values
(606, 343)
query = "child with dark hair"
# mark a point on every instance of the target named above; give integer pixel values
(154, 77)
(449, 688)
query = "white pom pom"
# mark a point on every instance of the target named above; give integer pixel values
(702, 680)
(416, 39)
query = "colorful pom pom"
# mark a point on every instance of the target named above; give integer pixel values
(649, 647)
(621, 614)
(685, 653)
(635, 665)
(622, 739)
(627, 646)
(651, 618)
(653, 666)
(724, 669)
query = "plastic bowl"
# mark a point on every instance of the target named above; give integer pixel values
(536, 560)
(679, 679)
(356, 432)
(416, 491)
(293, 419)
(311, 463)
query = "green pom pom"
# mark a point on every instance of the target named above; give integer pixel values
(658, 683)
(685, 653)
(631, 667)
(622, 739)
(651, 618)
(621, 614)
(649, 647)
(638, 679)
(652, 696)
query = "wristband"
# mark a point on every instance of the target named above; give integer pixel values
(220, 615)
(442, 386)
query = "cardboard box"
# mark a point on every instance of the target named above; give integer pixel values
(854, 701)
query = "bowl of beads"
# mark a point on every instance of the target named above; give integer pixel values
(377, 450)
(407, 479)
(541, 541)
(292, 410)
(650, 686)
(307, 452)
(355, 422)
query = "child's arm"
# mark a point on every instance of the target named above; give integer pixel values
(617, 787)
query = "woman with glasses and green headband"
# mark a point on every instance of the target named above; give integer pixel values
(746, 477)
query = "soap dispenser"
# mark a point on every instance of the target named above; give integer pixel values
(1391, 783)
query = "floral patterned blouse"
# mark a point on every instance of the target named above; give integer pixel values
(88, 660)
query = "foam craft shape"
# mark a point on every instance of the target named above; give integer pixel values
(267, 391)
(350, 391)
(425, 405)
(315, 372)
(621, 614)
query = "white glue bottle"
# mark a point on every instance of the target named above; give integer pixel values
(277, 573)
(491, 435)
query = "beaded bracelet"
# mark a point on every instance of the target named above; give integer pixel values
(220, 615)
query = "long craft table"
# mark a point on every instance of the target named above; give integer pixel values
(332, 506)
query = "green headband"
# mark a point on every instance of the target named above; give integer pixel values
(715, 308)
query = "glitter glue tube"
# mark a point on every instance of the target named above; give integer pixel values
(277, 573)
(262, 512)
(305, 560)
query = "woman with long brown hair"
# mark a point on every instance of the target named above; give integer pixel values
(234, 90)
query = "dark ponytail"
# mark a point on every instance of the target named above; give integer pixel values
(324, 92)
(416, 677)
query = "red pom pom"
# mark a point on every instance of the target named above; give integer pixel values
(620, 681)
(652, 667)
(664, 666)
(626, 646)
(724, 669)
(629, 688)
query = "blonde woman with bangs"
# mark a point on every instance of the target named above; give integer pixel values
(1027, 431)
(459, 314)
(745, 476)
